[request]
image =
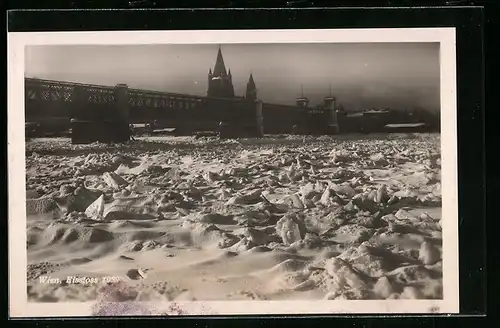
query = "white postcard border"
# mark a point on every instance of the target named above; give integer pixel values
(20, 307)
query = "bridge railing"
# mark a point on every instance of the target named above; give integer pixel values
(48, 99)
(87, 102)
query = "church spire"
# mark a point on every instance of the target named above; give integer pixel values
(251, 93)
(251, 81)
(220, 68)
(220, 83)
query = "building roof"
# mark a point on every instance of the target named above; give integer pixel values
(377, 111)
(405, 125)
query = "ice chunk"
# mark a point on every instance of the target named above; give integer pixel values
(290, 229)
(96, 209)
(114, 180)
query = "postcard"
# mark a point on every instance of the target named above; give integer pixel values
(232, 172)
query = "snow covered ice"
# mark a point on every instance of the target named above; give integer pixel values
(273, 218)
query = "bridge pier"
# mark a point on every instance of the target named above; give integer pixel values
(332, 127)
(251, 126)
(259, 118)
(109, 128)
(122, 129)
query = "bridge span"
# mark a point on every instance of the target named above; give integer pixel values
(58, 103)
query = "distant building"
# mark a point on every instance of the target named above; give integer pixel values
(302, 101)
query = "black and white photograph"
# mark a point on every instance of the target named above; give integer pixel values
(246, 173)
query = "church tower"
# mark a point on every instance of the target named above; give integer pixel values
(220, 83)
(251, 93)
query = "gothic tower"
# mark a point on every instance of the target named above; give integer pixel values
(220, 83)
(251, 89)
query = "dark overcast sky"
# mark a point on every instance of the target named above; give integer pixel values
(393, 75)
